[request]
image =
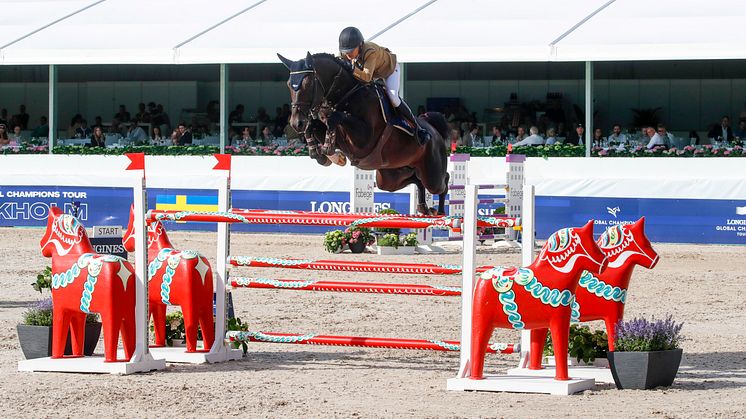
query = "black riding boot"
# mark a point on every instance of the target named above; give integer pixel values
(421, 134)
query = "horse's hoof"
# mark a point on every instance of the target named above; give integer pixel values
(338, 158)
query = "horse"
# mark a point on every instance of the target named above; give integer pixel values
(322, 88)
(536, 297)
(602, 297)
(85, 282)
(176, 277)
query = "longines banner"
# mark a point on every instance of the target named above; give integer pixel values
(668, 220)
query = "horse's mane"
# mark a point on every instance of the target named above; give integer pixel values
(332, 57)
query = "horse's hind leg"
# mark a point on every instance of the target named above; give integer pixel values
(442, 197)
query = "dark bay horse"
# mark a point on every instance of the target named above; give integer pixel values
(333, 111)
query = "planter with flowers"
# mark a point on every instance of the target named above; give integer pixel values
(354, 238)
(585, 348)
(646, 353)
(393, 244)
(35, 333)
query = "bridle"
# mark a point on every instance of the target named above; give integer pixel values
(312, 112)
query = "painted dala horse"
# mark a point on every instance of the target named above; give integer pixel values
(539, 296)
(175, 277)
(323, 89)
(602, 297)
(85, 282)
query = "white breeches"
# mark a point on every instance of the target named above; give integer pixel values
(392, 86)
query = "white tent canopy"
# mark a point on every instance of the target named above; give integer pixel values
(252, 31)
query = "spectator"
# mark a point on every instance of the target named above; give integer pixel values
(42, 131)
(471, 138)
(142, 114)
(655, 139)
(75, 123)
(98, 122)
(22, 117)
(83, 131)
(665, 135)
(156, 136)
(97, 138)
(262, 118)
(694, 138)
(4, 139)
(115, 127)
(533, 139)
(740, 132)
(598, 137)
(551, 136)
(162, 117)
(721, 132)
(521, 133)
(280, 123)
(236, 115)
(4, 117)
(617, 136)
(16, 135)
(135, 133)
(266, 136)
(245, 139)
(122, 115)
(455, 137)
(497, 136)
(577, 137)
(182, 135)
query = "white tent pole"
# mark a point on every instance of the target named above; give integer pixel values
(52, 119)
(588, 107)
(224, 76)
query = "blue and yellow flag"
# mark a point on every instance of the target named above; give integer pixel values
(186, 203)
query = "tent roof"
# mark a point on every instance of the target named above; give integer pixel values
(252, 31)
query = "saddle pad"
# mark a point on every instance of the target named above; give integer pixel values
(390, 115)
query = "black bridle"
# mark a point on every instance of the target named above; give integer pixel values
(312, 112)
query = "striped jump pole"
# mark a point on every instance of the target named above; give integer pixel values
(327, 219)
(343, 286)
(360, 341)
(351, 265)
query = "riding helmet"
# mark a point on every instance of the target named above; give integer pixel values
(349, 39)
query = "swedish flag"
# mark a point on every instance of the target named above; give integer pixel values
(186, 202)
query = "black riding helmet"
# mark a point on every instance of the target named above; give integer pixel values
(349, 39)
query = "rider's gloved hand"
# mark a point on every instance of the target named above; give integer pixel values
(347, 64)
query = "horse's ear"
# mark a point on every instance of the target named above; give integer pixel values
(309, 59)
(285, 61)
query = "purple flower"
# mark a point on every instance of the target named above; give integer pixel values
(43, 305)
(641, 334)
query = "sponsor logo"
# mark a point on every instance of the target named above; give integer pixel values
(613, 211)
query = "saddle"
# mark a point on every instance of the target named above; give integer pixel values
(389, 113)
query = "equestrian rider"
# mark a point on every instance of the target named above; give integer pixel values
(371, 62)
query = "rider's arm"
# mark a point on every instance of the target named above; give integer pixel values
(365, 71)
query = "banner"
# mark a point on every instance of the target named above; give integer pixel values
(667, 220)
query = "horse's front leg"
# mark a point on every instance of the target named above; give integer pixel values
(333, 122)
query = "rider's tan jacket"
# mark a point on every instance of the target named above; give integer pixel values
(374, 62)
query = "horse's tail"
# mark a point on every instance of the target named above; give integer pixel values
(438, 121)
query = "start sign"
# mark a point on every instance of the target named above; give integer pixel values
(107, 240)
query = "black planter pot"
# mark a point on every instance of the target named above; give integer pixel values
(644, 370)
(36, 341)
(357, 247)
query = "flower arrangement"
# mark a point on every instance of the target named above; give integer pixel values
(389, 211)
(389, 240)
(584, 345)
(410, 239)
(336, 240)
(40, 314)
(642, 335)
(43, 280)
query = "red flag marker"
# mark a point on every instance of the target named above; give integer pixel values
(224, 162)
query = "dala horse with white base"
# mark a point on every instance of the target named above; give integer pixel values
(85, 282)
(538, 296)
(602, 297)
(175, 277)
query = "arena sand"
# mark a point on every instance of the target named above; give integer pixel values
(704, 286)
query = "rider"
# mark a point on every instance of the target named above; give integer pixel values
(369, 62)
